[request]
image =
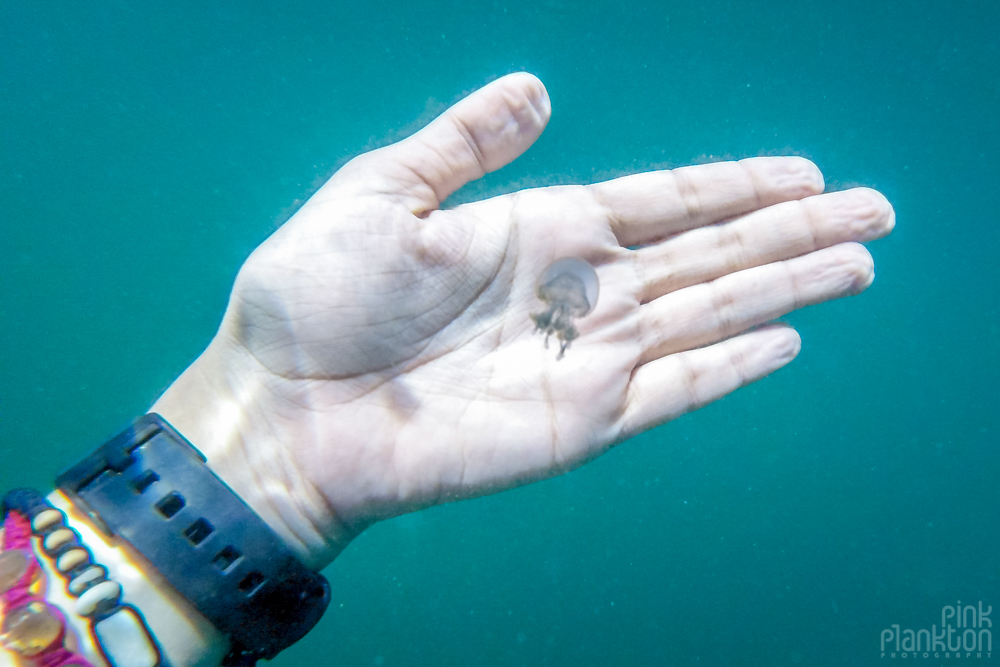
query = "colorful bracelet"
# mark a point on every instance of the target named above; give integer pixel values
(36, 629)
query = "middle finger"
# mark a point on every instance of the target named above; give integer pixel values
(769, 235)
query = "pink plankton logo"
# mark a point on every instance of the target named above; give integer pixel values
(966, 632)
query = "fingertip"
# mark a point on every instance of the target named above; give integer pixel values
(785, 342)
(812, 180)
(775, 345)
(528, 109)
(866, 272)
(881, 214)
(857, 267)
(786, 178)
(534, 91)
(890, 223)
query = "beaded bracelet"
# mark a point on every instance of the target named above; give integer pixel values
(36, 629)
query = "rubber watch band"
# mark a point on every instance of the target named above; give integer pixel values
(151, 487)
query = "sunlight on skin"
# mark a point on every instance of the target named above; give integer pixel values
(379, 354)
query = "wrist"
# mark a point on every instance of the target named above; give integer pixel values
(150, 490)
(237, 414)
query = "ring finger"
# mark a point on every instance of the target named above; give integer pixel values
(709, 312)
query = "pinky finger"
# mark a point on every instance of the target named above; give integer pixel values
(666, 388)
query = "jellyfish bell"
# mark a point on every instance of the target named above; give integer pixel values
(573, 282)
(569, 287)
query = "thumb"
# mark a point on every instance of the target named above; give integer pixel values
(482, 133)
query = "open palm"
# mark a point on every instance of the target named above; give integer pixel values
(380, 355)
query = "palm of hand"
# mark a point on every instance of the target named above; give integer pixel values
(409, 343)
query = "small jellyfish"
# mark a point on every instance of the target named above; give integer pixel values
(570, 287)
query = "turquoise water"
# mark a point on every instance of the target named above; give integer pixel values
(146, 148)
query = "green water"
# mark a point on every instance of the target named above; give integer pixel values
(146, 148)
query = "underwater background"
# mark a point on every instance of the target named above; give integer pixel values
(147, 148)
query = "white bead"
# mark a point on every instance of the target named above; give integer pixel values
(45, 519)
(124, 640)
(57, 539)
(106, 590)
(79, 583)
(71, 559)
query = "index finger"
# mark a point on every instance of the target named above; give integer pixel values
(647, 207)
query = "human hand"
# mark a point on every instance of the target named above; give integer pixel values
(378, 354)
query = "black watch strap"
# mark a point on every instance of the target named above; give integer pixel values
(151, 487)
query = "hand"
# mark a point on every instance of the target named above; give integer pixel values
(378, 354)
